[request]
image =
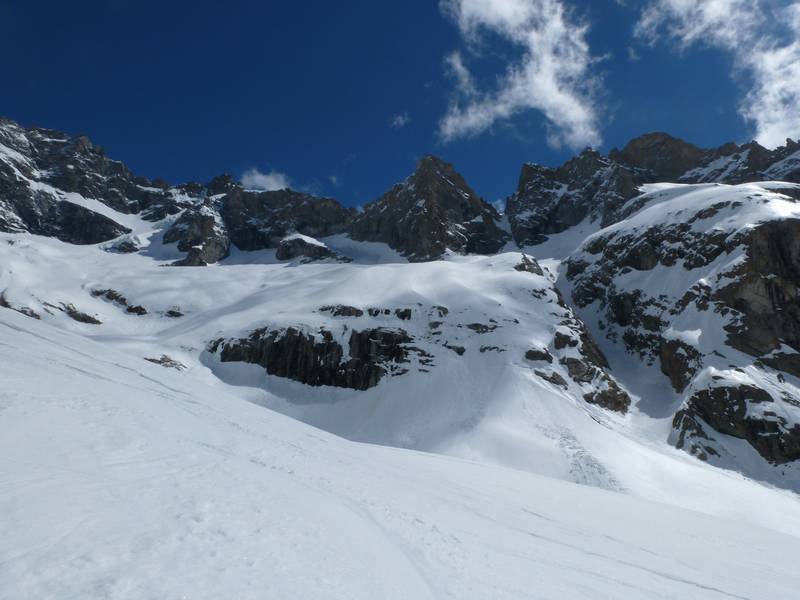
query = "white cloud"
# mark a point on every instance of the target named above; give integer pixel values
(553, 75)
(399, 120)
(714, 22)
(459, 71)
(253, 179)
(763, 36)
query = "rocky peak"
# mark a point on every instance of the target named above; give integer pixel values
(533, 174)
(664, 156)
(732, 164)
(432, 211)
(548, 201)
(71, 164)
(222, 184)
(583, 167)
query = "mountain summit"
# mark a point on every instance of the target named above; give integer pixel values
(432, 211)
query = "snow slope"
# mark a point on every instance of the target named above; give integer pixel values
(485, 406)
(122, 479)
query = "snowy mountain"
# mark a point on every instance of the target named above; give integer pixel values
(630, 322)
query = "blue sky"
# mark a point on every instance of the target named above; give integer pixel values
(341, 98)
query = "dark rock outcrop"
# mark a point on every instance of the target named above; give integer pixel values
(680, 362)
(529, 265)
(75, 164)
(299, 247)
(664, 157)
(549, 201)
(726, 409)
(434, 210)
(342, 310)
(318, 359)
(595, 187)
(167, 362)
(42, 213)
(24, 310)
(120, 300)
(743, 280)
(73, 313)
(535, 354)
(765, 290)
(258, 220)
(201, 233)
(586, 364)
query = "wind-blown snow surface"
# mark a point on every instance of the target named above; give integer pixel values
(122, 479)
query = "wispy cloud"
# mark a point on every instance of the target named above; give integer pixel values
(253, 179)
(399, 120)
(554, 74)
(763, 36)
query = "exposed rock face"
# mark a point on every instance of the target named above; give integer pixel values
(529, 265)
(728, 409)
(705, 283)
(42, 214)
(598, 188)
(317, 359)
(765, 290)
(588, 367)
(39, 168)
(341, 310)
(680, 362)
(355, 347)
(258, 220)
(253, 221)
(664, 157)
(201, 233)
(434, 210)
(302, 247)
(549, 201)
(538, 354)
(74, 164)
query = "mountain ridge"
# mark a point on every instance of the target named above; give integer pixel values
(661, 253)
